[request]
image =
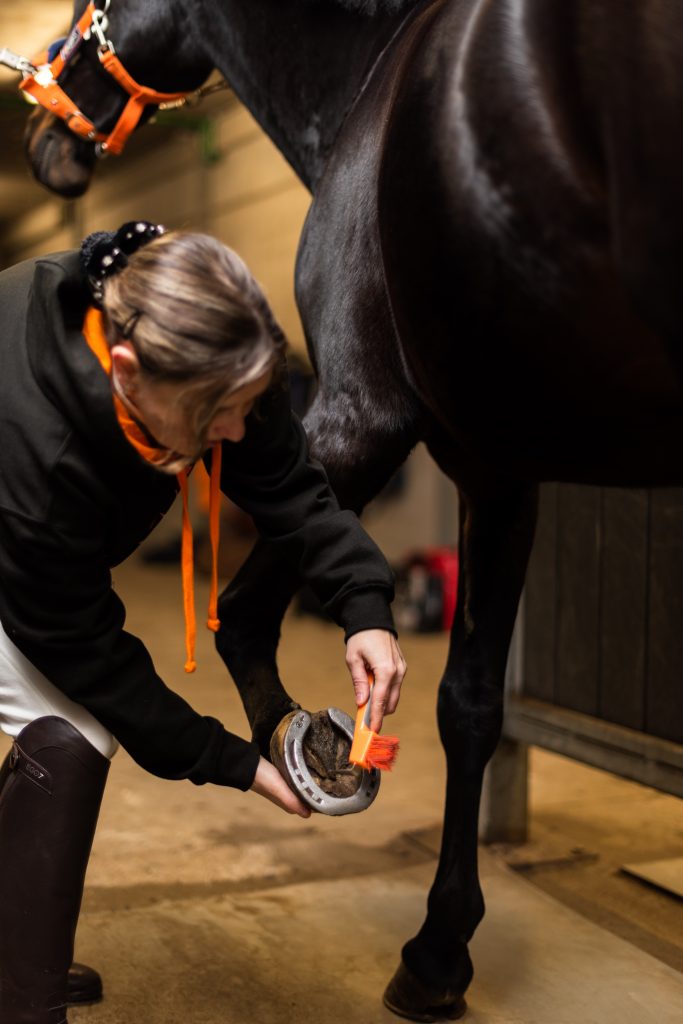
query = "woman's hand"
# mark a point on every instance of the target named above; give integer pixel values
(269, 783)
(376, 651)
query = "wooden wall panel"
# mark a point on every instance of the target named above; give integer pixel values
(45, 229)
(576, 672)
(540, 603)
(170, 199)
(623, 606)
(612, 610)
(250, 168)
(664, 696)
(265, 233)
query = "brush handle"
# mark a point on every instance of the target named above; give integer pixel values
(368, 703)
(362, 733)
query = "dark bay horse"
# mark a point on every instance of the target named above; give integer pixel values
(490, 265)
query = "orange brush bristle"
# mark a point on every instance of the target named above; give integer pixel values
(369, 749)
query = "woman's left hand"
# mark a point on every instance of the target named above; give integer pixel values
(376, 651)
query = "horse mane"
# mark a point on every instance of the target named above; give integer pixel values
(374, 7)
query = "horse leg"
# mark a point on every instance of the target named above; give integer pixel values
(495, 540)
(251, 608)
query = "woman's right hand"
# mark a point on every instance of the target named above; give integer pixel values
(269, 783)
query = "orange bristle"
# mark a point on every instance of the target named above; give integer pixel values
(382, 752)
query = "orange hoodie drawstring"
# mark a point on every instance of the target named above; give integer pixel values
(187, 575)
(213, 621)
(93, 330)
(187, 556)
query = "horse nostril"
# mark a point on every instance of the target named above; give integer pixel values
(61, 163)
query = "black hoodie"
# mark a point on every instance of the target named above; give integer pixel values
(76, 499)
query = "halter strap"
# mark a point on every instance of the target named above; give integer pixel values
(44, 88)
(140, 97)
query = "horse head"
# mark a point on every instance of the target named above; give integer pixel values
(155, 45)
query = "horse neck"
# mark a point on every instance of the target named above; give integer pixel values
(297, 65)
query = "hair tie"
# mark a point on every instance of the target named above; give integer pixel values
(105, 253)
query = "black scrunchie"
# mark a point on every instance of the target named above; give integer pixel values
(106, 252)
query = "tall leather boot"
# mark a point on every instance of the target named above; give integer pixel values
(49, 803)
(84, 984)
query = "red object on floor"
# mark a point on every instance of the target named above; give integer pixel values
(443, 562)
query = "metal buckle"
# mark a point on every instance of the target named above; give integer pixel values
(305, 785)
(16, 62)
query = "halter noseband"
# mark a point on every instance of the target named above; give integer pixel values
(44, 88)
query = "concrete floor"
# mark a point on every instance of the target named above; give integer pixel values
(206, 905)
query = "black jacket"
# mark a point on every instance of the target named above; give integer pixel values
(76, 499)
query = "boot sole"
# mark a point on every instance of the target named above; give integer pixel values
(84, 996)
(85, 999)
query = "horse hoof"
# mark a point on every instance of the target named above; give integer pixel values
(311, 751)
(406, 996)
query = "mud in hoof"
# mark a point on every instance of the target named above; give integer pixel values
(407, 997)
(326, 752)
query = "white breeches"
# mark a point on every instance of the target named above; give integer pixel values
(25, 694)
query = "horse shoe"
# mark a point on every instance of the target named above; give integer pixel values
(301, 780)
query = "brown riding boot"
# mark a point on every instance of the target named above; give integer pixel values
(84, 984)
(51, 787)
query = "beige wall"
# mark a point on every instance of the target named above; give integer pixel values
(250, 198)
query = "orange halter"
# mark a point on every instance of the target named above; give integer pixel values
(43, 86)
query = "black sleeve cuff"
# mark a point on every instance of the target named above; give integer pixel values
(238, 762)
(365, 609)
(227, 760)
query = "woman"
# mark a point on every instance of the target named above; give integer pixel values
(120, 366)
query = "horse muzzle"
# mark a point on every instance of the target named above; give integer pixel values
(58, 159)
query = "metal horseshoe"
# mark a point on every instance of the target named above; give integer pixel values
(303, 782)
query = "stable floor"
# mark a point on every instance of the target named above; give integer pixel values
(210, 906)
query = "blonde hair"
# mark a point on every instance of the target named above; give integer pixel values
(196, 316)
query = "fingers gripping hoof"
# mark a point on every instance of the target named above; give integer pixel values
(311, 752)
(406, 996)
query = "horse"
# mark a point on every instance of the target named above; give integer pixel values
(489, 265)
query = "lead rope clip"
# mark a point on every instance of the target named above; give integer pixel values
(99, 25)
(15, 62)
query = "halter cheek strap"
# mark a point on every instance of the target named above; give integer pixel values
(44, 88)
(140, 97)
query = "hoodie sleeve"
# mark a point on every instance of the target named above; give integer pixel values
(58, 606)
(271, 476)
